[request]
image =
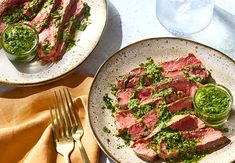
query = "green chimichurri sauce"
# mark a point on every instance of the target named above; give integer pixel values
(19, 39)
(212, 103)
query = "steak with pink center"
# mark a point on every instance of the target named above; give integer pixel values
(180, 104)
(123, 96)
(124, 120)
(180, 63)
(142, 149)
(47, 52)
(208, 139)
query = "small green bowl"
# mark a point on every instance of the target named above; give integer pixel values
(26, 56)
(213, 119)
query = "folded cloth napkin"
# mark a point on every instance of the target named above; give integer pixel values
(25, 130)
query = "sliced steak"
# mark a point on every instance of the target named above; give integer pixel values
(137, 128)
(150, 119)
(208, 139)
(5, 4)
(77, 11)
(123, 97)
(32, 7)
(136, 131)
(144, 93)
(180, 63)
(185, 123)
(49, 37)
(124, 120)
(43, 17)
(145, 125)
(142, 149)
(131, 80)
(181, 85)
(184, 103)
(2, 25)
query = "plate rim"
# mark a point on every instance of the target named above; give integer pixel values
(47, 81)
(116, 53)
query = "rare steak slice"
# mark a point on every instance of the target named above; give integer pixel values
(77, 15)
(43, 17)
(123, 96)
(179, 122)
(124, 120)
(5, 4)
(180, 63)
(49, 37)
(131, 80)
(185, 122)
(32, 7)
(181, 85)
(143, 150)
(196, 72)
(183, 103)
(207, 139)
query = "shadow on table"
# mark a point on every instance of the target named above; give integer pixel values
(220, 33)
(110, 42)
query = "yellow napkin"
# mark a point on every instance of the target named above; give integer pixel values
(25, 130)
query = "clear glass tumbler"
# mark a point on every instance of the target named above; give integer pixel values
(184, 17)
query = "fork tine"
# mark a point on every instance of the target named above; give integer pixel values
(69, 110)
(66, 116)
(52, 124)
(72, 109)
(60, 117)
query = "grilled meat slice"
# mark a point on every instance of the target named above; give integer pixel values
(49, 37)
(32, 7)
(124, 120)
(208, 139)
(195, 72)
(43, 17)
(143, 150)
(180, 63)
(123, 96)
(6, 4)
(184, 103)
(179, 122)
(130, 80)
(77, 16)
(184, 122)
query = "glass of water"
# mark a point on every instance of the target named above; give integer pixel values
(184, 17)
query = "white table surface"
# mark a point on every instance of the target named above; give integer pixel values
(134, 20)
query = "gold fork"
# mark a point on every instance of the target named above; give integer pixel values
(77, 129)
(61, 130)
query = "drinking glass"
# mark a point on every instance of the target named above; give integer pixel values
(184, 17)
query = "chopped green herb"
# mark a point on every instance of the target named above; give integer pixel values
(86, 11)
(109, 103)
(47, 47)
(152, 73)
(13, 15)
(138, 109)
(106, 130)
(113, 89)
(119, 146)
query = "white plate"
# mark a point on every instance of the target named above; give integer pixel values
(160, 49)
(18, 74)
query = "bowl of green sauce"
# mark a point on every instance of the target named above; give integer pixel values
(20, 42)
(212, 103)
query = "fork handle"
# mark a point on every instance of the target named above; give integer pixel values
(83, 152)
(66, 158)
